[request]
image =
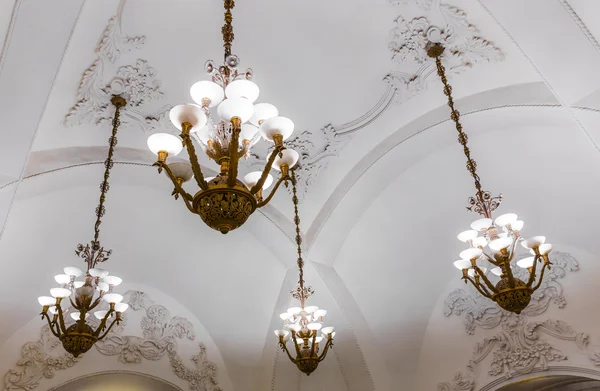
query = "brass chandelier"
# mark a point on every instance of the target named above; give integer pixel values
(302, 324)
(224, 202)
(97, 285)
(501, 235)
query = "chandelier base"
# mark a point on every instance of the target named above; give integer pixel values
(307, 365)
(513, 299)
(224, 208)
(76, 341)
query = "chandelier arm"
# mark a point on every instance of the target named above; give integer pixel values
(184, 195)
(236, 124)
(485, 279)
(108, 329)
(325, 349)
(296, 344)
(313, 345)
(61, 320)
(94, 304)
(227, 29)
(435, 51)
(476, 285)
(546, 265)
(533, 270)
(266, 200)
(285, 349)
(266, 170)
(45, 315)
(491, 259)
(483, 288)
(191, 150)
(509, 273)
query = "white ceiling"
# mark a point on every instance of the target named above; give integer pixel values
(379, 215)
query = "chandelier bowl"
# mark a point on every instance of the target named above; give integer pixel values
(78, 339)
(307, 365)
(514, 299)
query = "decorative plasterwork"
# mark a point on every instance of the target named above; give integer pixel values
(137, 82)
(520, 348)
(464, 45)
(480, 311)
(160, 334)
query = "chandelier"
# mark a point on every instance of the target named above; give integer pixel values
(302, 324)
(501, 236)
(224, 202)
(95, 288)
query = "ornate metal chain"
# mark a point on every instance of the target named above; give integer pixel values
(227, 29)
(485, 203)
(301, 293)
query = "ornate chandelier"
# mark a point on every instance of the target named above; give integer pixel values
(97, 285)
(224, 202)
(302, 324)
(501, 235)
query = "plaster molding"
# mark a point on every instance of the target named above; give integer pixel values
(521, 348)
(137, 82)
(582, 26)
(478, 311)
(408, 38)
(41, 359)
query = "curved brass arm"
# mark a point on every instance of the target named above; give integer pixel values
(477, 287)
(61, 319)
(236, 125)
(313, 345)
(491, 259)
(189, 146)
(483, 288)
(546, 265)
(285, 349)
(268, 167)
(485, 279)
(45, 315)
(102, 324)
(109, 328)
(533, 270)
(295, 343)
(326, 348)
(94, 304)
(266, 200)
(187, 198)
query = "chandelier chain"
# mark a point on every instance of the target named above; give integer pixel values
(118, 102)
(298, 236)
(227, 29)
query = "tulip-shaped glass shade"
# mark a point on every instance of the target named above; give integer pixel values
(235, 107)
(262, 112)
(276, 125)
(207, 89)
(288, 156)
(193, 114)
(242, 89)
(251, 179)
(165, 142)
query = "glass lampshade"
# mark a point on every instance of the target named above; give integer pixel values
(262, 112)
(235, 107)
(207, 89)
(73, 271)
(252, 178)
(165, 142)
(190, 113)
(481, 224)
(288, 156)
(533, 242)
(276, 125)
(242, 89)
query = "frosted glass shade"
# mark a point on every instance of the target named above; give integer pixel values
(462, 264)
(293, 326)
(121, 307)
(62, 279)
(262, 112)
(497, 271)
(314, 326)
(112, 298)
(294, 310)
(505, 219)
(207, 89)
(327, 330)
(60, 292)
(53, 310)
(289, 157)
(182, 170)
(103, 287)
(471, 253)
(113, 280)
(526, 262)
(311, 309)
(465, 236)
(165, 142)
(75, 315)
(284, 316)
(472, 272)
(533, 242)
(545, 248)
(46, 300)
(187, 113)
(242, 89)
(235, 107)
(276, 125)
(73, 271)
(480, 241)
(320, 313)
(100, 314)
(96, 272)
(252, 178)
(517, 225)
(481, 224)
(282, 333)
(498, 244)
(249, 132)
(78, 284)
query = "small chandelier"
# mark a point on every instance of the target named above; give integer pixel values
(97, 285)
(501, 235)
(224, 202)
(302, 324)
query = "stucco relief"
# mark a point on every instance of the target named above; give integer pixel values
(464, 45)
(160, 333)
(477, 311)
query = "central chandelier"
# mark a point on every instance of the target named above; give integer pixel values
(224, 202)
(302, 324)
(501, 236)
(95, 288)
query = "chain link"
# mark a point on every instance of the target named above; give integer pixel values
(298, 236)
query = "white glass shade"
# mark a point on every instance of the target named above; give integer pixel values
(187, 113)
(262, 112)
(252, 178)
(112, 298)
(498, 244)
(507, 218)
(101, 273)
(249, 132)
(113, 280)
(472, 272)
(320, 313)
(517, 225)
(481, 224)
(77, 314)
(327, 330)
(533, 242)
(62, 279)
(293, 326)
(314, 326)
(318, 339)
(284, 316)
(526, 262)
(465, 236)
(165, 142)
(78, 284)
(46, 300)
(182, 170)
(545, 248)
(207, 89)
(53, 310)
(72, 271)
(311, 309)
(480, 241)
(471, 253)
(288, 156)
(60, 292)
(462, 264)
(242, 89)
(497, 271)
(121, 307)
(103, 286)
(235, 107)
(282, 333)
(100, 314)
(276, 125)
(294, 310)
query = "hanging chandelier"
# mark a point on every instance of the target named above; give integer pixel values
(224, 202)
(95, 288)
(302, 324)
(501, 236)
